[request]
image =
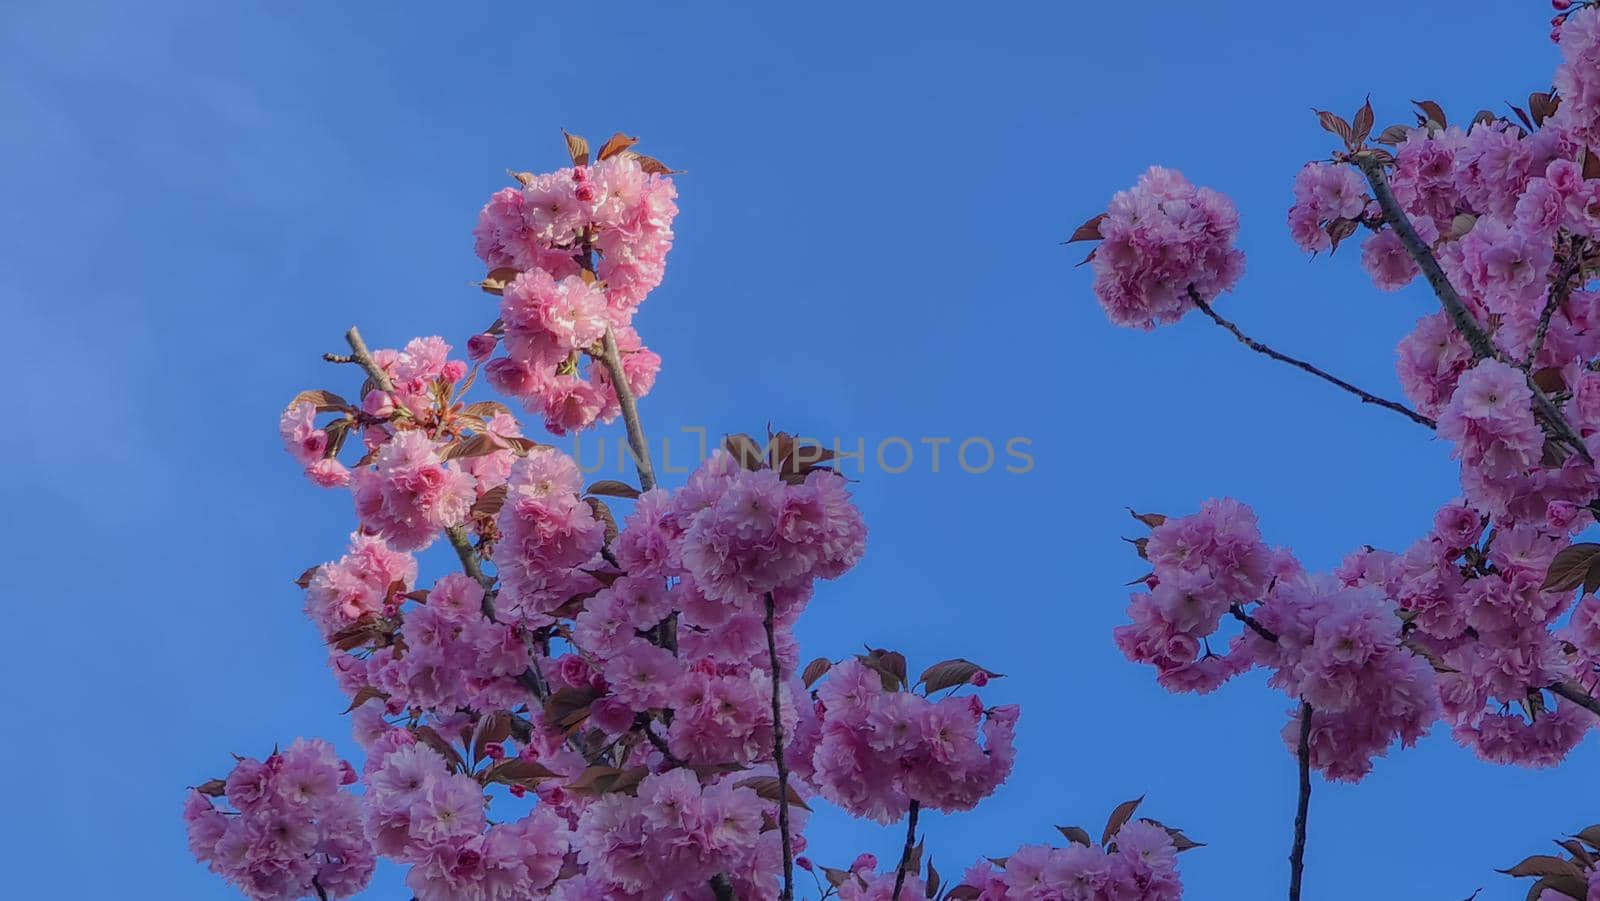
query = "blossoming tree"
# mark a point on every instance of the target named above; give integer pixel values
(588, 708)
(1486, 622)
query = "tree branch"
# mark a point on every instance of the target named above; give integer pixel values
(778, 758)
(1258, 347)
(1253, 623)
(905, 855)
(1569, 692)
(469, 564)
(721, 888)
(1297, 854)
(1482, 348)
(361, 356)
(612, 360)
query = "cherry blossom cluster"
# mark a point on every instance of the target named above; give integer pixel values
(878, 750)
(1140, 861)
(293, 830)
(1160, 240)
(1476, 624)
(1336, 646)
(573, 253)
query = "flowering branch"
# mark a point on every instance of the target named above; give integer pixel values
(1372, 167)
(1258, 347)
(1297, 854)
(905, 856)
(361, 356)
(778, 758)
(612, 360)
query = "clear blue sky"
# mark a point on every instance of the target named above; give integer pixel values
(201, 197)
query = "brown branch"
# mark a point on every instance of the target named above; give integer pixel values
(905, 856)
(778, 758)
(1297, 854)
(612, 360)
(1482, 348)
(361, 356)
(1253, 623)
(1365, 396)
(1569, 692)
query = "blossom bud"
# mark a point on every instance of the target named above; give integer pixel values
(481, 346)
(494, 750)
(378, 404)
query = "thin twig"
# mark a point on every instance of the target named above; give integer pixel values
(612, 360)
(1570, 692)
(1297, 854)
(1559, 292)
(316, 884)
(659, 743)
(1258, 347)
(905, 856)
(1482, 348)
(1253, 623)
(778, 758)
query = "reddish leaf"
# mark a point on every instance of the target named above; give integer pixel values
(1361, 125)
(491, 502)
(476, 446)
(216, 788)
(1570, 567)
(1393, 135)
(767, 787)
(485, 409)
(577, 148)
(651, 165)
(1547, 866)
(815, 670)
(951, 673)
(615, 145)
(495, 282)
(1336, 125)
(612, 488)
(325, 401)
(1431, 115)
(304, 579)
(1119, 818)
(366, 694)
(1150, 519)
(1591, 164)
(963, 892)
(1076, 834)
(517, 771)
(603, 514)
(1089, 231)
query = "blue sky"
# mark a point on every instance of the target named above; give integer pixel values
(202, 197)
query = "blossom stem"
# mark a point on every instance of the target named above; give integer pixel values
(1482, 348)
(612, 359)
(905, 855)
(778, 758)
(1297, 854)
(1258, 347)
